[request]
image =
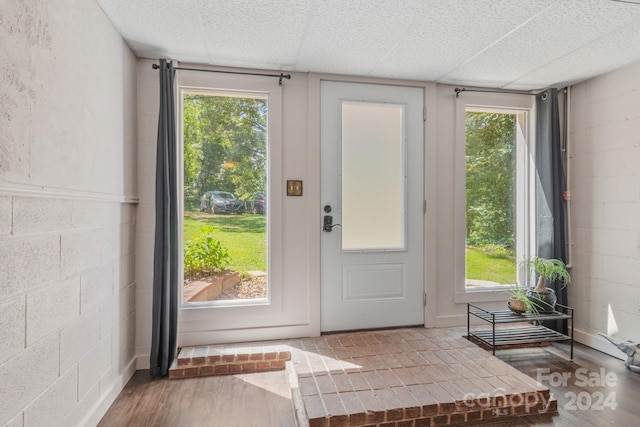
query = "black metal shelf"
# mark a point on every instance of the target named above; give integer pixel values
(520, 335)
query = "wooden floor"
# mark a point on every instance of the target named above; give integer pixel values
(243, 400)
(583, 400)
(264, 399)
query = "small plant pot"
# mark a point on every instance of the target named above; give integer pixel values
(544, 301)
(516, 305)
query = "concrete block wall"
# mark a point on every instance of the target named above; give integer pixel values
(605, 206)
(68, 328)
(68, 207)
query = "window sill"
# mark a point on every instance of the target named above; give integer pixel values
(482, 294)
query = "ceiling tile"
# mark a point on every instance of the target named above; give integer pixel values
(561, 29)
(449, 33)
(492, 43)
(254, 32)
(620, 48)
(351, 36)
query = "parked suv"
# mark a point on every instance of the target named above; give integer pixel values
(256, 203)
(220, 202)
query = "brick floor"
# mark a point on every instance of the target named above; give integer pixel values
(394, 378)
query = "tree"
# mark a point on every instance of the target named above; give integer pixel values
(490, 178)
(225, 145)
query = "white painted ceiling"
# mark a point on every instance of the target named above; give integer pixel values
(511, 44)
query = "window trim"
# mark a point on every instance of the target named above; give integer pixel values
(525, 183)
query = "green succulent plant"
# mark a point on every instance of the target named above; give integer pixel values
(548, 269)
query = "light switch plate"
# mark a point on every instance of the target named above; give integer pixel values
(294, 187)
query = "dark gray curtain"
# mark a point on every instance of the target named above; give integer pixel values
(550, 187)
(165, 261)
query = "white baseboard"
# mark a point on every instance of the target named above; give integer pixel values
(142, 358)
(102, 406)
(598, 343)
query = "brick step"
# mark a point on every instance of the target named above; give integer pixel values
(368, 410)
(209, 360)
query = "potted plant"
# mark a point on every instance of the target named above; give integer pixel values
(551, 270)
(520, 303)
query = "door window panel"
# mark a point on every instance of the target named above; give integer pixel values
(373, 176)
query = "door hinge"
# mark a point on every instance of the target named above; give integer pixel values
(424, 115)
(424, 206)
(424, 299)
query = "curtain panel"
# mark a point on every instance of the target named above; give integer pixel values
(550, 187)
(165, 263)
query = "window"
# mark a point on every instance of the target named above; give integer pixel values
(225, 225)
(494, 178)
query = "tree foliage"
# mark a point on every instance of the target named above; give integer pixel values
(490, 179)
(225, 146)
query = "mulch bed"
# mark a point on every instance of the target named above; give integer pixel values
(253, 288)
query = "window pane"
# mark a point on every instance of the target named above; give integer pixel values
(491, 200)
(373, 191)
(225, 198)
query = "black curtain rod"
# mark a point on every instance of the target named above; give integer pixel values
(280, 76)
(511, 92)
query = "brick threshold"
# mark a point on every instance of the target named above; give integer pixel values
(232, 359)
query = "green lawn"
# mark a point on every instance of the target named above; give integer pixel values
(243, 235)
(492, 265)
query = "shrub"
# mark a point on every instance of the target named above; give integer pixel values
(204, 255)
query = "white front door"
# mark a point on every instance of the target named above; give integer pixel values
(372, 206)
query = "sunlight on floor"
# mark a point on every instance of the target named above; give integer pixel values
(273, 382)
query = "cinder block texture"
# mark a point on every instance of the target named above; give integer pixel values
(84, 407)
(77, 338)
(52, 307)
(81, 251)
(5, 215)
(88, 214)
(126, 342)
(25, 376)
(34, 215)
(96, 286)
(93, 365)
(27, 262)
(605, 203)
(51, 408)
(109, 314)
(12, 327)
(125, 271)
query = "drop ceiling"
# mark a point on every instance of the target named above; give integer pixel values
(510, 44)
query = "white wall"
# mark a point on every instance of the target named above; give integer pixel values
(605, 192)
(67, 213)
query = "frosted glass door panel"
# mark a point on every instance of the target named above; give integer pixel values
(373, 176)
